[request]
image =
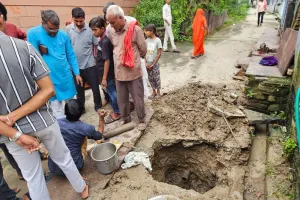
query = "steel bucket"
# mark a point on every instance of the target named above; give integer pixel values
(105, 156)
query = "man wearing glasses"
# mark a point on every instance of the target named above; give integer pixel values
(56, 49)
(25, 88)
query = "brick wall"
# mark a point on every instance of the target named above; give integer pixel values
(26, 13)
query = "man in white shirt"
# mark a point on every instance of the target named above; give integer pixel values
(167, 16)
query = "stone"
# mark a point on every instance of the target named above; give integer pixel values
(233, 95)
(278, 82)
(273, 90)
(257, 105)
(274, 108)
(259, 96)
(261, 118)
(281, 100)
(271, 98)
(290, 72)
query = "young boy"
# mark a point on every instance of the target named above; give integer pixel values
(75, 134)
(105, 65)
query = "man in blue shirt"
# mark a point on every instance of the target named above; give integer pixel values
(75, 134)
(57, 51)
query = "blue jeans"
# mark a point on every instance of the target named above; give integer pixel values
(112, 92)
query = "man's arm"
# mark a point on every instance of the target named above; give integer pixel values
(106, 54)
(141, 42)
(25, 141)
(72, 60)
(95, 45)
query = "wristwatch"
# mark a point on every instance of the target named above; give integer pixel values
(16, 137)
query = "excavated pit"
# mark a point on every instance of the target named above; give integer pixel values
(197, 165)
(189, 168)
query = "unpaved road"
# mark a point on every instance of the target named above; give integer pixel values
(177, 70)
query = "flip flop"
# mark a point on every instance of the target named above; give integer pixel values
(110, 119)
(88, 184)
(17, 190)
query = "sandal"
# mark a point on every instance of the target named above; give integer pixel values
(88, 185)
(110, 119)
(142, 126)
(17, 190)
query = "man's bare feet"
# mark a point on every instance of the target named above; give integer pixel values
(86, 192)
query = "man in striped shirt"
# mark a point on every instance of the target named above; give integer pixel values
(25, 88)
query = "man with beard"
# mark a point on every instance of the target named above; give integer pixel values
(57, 51)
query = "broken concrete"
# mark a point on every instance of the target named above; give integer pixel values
(261, 118)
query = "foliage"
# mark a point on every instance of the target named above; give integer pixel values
(281, 115)
(250, 93)
(183, 12)
(289, 146)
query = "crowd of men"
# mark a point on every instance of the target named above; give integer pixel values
(40, 74)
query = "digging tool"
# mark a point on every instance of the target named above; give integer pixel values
(121, 129)
(230, 129)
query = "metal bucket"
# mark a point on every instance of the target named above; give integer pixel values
(105, 156)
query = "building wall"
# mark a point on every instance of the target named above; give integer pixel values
(26, 13)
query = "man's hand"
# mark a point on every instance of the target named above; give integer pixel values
(104, 83)
(149, 67)
(79, 80)
(29, 143)
(102, 113)
(7, 120)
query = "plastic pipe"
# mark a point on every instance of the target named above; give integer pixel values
(296, 106)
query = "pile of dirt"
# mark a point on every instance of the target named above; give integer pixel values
(185, 113)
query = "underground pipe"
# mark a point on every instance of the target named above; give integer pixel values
(186, 175)
(119, 130)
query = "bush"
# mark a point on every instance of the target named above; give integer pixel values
(183, 12)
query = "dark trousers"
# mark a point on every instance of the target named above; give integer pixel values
(136, 89)
(5, 192)
(89, 75)
(111, 90)
(11, 159)
(260, 18)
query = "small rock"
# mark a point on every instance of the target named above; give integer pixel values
(233, 95)
(290, 72)
(241, 108)
(274, 107)
(271, 98)
(211, 125)
(194, 77)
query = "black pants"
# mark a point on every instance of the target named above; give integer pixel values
(11, 159)
(260, 18)
(5, 192)
(90, 76)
